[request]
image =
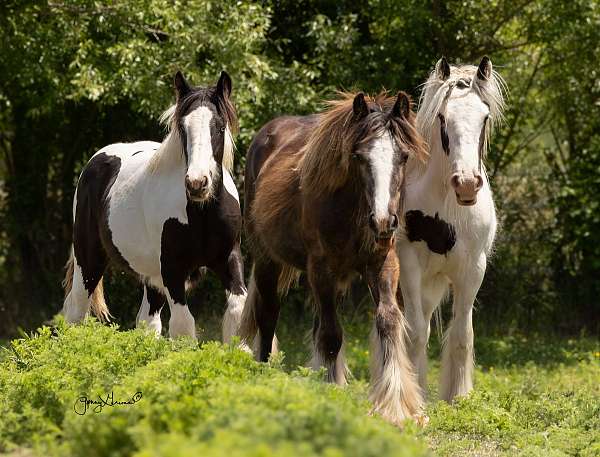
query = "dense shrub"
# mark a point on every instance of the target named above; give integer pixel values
(208, 400)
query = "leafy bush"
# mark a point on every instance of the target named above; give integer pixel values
(532, 397)
(209, 400)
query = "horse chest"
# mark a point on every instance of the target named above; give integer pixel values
(206, 238)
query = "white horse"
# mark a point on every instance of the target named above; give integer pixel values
(450, 219)
(162, 211)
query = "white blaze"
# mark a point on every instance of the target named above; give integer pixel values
(464, 121)
(381, 157)
(201, 162)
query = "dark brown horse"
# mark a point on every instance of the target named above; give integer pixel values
(323, 196)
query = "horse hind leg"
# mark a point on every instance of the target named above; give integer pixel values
(261, 311)
(150, 309)
(84, 290)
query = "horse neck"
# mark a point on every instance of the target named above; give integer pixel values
(436, 173)
(169, 157)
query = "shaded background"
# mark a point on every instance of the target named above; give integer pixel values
(76, 75)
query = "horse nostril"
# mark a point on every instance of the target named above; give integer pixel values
(455, 181)
(479, 182)
(188, 183)
(204, 182)
(393, 222)
(372, 222)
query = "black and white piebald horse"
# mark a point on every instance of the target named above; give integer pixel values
(162, 211)
(449, 215)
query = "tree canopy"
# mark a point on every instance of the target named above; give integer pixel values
(79, 74)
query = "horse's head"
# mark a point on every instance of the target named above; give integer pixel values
(204, 118)
(463, 123)
(383, 137)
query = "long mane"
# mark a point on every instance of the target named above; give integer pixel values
(326, 156)
(435, 91)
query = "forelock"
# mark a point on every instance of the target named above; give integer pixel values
(436, 91)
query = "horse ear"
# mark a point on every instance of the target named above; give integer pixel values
(359, 106)
(484, 70)
(181, 85)
(442, 69)
(402, 106)
(224, 85)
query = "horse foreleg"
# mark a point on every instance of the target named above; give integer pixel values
(150, 309)
(231, 274)
(395, 393)
(418, 325)
(457, 355)
(181, 321)
(327, 331)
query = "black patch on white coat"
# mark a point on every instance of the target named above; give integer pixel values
(480, 151)
(155, 298)
(439, 235)
(210, 238)
(444, 134)
(90, 228)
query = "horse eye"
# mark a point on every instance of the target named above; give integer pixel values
(358, 157)
(222, 129)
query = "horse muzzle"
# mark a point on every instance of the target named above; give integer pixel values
(466, 189)
(198, 190)
(384, 229)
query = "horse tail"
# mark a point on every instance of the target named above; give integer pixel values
(98, 304)
(248, 331)
(67, 283)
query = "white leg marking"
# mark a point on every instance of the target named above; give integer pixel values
(233, 315)
(152, 321)
(336, 371)
(395, 393)
(77, 303)
(181, 321)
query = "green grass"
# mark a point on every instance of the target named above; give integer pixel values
(534, 397)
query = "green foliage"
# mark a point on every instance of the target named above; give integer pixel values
(212, 400)
(81, 74)
(525, 410)
(532, 397)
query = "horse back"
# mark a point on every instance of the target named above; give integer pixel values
(283, 135)
(272, 187)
